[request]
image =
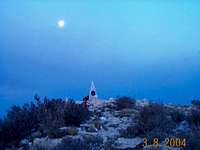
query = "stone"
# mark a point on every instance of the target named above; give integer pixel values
(24, 142)
(36, 134)
(127, 143)
(68, 131)
(46, 143)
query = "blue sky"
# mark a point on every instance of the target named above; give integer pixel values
(144, 49)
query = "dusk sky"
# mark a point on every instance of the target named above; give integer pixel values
(143, 48)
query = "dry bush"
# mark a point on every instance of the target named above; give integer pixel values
(177, 115)
(196, 103)
(51, 116)
(124, 102)
(131, 131)
(75, 114)
(57, 113)
(46, 117)
(19, 123)
(194, 118)
(153, 121)
(192, 139)
(84, 143)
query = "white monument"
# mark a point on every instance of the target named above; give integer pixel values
(93, 101)
(93, 92)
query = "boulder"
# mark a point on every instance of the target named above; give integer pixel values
(68, 131)
(183, 127)
(36, 134)
(125, 143)
(46, 143)
(24, 142)
(88, 127)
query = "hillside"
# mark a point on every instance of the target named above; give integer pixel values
(121, 123)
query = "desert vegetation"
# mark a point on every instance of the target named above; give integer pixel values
(124, 102)
(59, 121)
(46, 116)
(160, 121)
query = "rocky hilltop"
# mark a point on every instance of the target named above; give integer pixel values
(116, 124)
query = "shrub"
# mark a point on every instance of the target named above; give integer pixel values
(51, 116)
(84, 143)
(196, 103)
(47, 117)
(192, 139)
(154, 119)
(19, 123)
(131, 131)
(1, 135)
(177, 115)
(57, 113)
(75, 114)
(72, 131)
(124, 102)
(194, 118)
(39, 147)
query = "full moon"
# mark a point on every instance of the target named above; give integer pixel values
(61, 23)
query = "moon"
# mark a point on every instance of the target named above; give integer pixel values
(61, 23)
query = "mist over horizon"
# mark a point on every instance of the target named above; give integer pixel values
(145, 49)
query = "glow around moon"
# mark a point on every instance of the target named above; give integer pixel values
(61, 23)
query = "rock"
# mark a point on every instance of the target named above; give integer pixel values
(126, 112)
(46, 143)
(24, 142)
(88, 127)
(36, 134)
(183, 126)
(109, 133)
(125, 143)
(68, 131)
(142, 103)
(103, 118)
(64, 128)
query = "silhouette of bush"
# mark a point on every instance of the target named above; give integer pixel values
(85, 101)
(154, 119)
(75, 114)
(51, 116)
(124, 102)
(57, 113)
(84, 143)
(131, 131)
(196, 103)
(46, 116)
(194, 118)
(18, 124)
(192, 139)
(177, 115)
(1, 135)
